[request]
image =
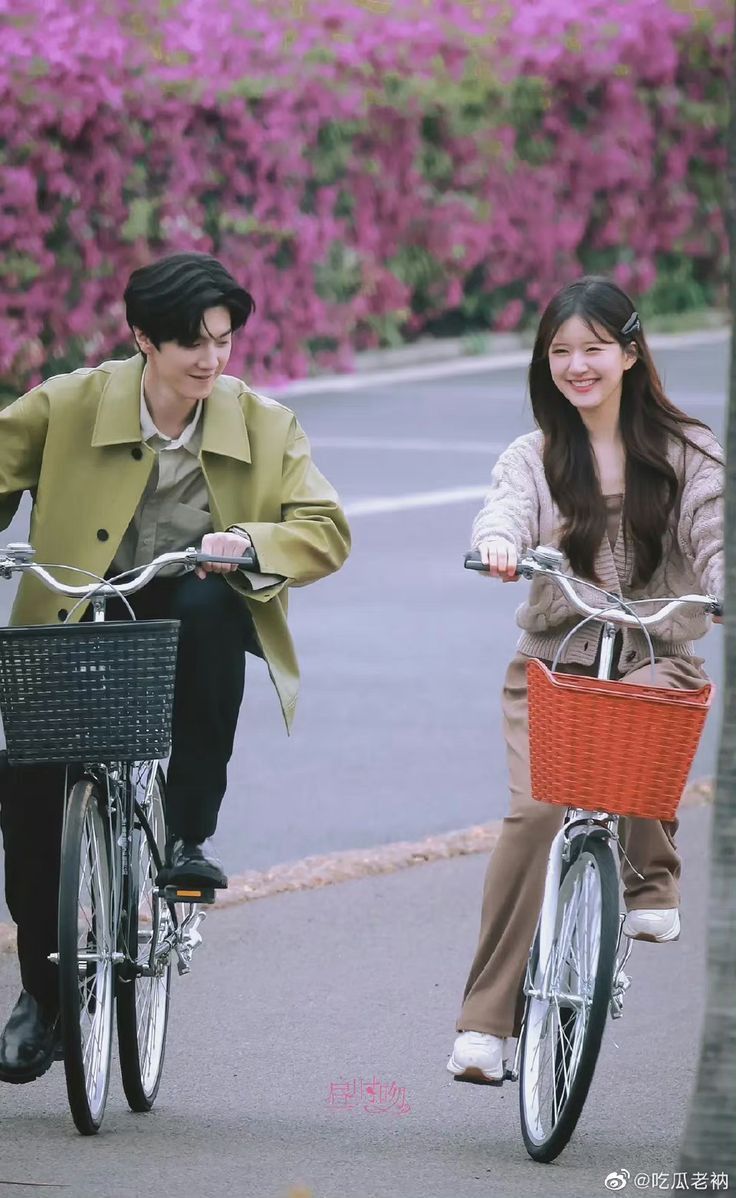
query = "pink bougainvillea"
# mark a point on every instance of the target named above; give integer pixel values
(364, 167)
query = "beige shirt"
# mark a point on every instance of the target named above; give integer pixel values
(519, 508)
(174, 510)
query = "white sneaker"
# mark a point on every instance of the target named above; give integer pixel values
(656, 926)
(477, 1057)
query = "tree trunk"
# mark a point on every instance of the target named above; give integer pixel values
(709, 1144)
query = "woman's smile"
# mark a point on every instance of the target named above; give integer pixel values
(582, 384)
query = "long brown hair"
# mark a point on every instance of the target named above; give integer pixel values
(648, 422)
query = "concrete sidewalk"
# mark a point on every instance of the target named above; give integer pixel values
(307, 1057)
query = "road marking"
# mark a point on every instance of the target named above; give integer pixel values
(403, 503)
(480, 364)
(409, 446)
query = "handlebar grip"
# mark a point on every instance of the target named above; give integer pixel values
(717, 608)
(247, 560)
(473, 561)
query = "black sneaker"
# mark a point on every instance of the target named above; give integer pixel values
(189, 863)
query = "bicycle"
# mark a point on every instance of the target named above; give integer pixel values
(575, 972)
(98, 695)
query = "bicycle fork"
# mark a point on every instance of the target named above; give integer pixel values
(546, 930)
(545, 933)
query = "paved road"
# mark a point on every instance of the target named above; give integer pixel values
(296, 998)
(397, 735)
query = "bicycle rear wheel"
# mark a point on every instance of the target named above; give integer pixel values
(86, 946)
(563, 1030)
(143, 993)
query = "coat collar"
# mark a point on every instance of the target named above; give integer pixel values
(119, 423)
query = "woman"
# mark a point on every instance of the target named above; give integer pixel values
(631, 490)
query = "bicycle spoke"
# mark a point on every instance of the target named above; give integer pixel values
(85, 954)
(559, 1039)
(143, 1015)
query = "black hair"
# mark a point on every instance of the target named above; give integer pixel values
(648, 421)
(167, 299)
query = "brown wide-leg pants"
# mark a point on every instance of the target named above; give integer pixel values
(514, 883)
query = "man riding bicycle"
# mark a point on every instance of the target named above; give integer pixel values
(176, 453)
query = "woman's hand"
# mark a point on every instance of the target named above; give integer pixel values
(500, 558)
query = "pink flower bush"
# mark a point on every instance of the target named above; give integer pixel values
(364, 167)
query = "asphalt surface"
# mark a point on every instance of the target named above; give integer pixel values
(296, 997)
(300, 1002)
(397, 734)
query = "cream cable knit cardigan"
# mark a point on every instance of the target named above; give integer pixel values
(519, 508)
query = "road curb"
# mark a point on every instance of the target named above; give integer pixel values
(437, 359)
(331, 869)
(311, 873)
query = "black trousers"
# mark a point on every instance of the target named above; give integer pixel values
(216, 630)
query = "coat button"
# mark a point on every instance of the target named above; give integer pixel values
(136, 453)
(62, 613)
(102, 534)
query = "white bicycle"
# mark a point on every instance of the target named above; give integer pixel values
(575, 973)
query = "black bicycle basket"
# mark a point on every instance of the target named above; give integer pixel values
(88, 692)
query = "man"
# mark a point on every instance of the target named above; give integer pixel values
(125, 461)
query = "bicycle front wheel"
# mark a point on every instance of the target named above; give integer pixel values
(144, 987)
(86, 946)
(568, 1001)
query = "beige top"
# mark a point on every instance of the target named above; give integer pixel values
(174, 510)
(519, 508)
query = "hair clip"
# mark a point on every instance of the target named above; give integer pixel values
(632, 326)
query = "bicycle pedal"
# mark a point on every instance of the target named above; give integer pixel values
(202, 895)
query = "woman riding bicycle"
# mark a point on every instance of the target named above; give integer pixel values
(630, 489)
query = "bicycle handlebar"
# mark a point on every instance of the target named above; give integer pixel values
(544, 560)
(19, 559)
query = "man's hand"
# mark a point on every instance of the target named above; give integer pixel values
(228, 544)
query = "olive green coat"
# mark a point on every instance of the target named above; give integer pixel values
(75, 443)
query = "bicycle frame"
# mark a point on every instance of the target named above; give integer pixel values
(114, 781)
(585, 839)
(115, 778)
(112, 874)
(577, 822)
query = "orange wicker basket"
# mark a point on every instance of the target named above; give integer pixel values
(612, 746)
